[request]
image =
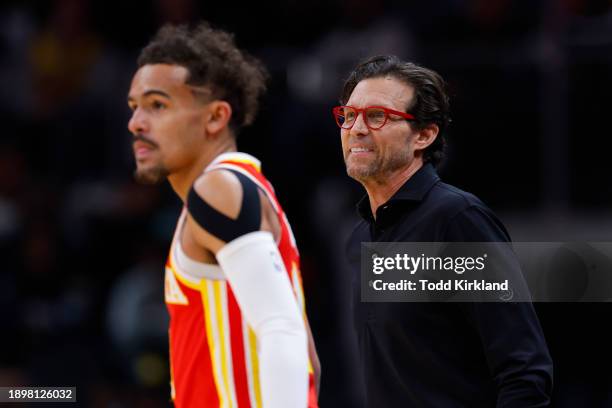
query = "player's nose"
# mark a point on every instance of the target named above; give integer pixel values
(138, 123)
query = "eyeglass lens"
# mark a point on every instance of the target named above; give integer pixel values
(374, 117)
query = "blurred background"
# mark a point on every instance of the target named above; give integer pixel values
(83, 246)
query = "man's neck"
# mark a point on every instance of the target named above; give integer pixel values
(380, 192)
(181, 182)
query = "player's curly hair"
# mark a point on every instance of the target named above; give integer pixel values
(429, 105)
(213, 61)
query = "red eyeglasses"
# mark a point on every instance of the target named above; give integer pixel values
(374, 117)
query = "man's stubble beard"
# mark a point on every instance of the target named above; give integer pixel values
(379, 169)
(154, 175)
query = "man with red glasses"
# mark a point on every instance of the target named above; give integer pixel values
(239, 335)
(392, 122)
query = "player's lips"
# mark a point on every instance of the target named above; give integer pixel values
(142, 149)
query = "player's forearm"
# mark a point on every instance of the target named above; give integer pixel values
(283, 366)
(263, 291)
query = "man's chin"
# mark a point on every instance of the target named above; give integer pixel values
(151, 176)
(359, 173)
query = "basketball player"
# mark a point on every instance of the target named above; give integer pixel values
(239, 336)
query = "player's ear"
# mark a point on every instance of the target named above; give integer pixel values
(218, 117)
(426, 136)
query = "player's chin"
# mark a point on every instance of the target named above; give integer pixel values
(150, 174)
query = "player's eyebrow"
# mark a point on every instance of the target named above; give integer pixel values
(151, 92)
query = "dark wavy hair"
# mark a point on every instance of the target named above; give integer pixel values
(213, 61)
(429, 105)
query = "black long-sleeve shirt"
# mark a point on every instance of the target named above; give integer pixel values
(444, 354)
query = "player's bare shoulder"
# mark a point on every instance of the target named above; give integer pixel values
(222, 190)
(224, 205)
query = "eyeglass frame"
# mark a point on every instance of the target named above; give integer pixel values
(406, 116)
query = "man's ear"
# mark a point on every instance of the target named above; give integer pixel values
(426, 136)
(218, 117)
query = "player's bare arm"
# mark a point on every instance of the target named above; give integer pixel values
(242, 237)
(222, 191)
(217, 188)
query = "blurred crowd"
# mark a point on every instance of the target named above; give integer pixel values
(83, 246)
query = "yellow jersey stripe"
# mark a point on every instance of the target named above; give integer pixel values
(212, 341)
(245, 161)
(255, 366)
(247, 362)
(223, 324)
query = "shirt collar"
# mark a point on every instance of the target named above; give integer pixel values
(414, 189)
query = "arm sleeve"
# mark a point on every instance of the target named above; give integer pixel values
(256, 274)
(511, 335)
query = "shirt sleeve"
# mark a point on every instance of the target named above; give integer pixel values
(511, 335)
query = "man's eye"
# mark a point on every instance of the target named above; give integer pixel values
(376, 114)
(158, 105)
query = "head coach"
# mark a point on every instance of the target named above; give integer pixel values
(472, 354)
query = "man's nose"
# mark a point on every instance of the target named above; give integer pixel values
(359, 127)
(138, 122)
